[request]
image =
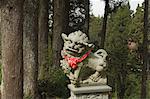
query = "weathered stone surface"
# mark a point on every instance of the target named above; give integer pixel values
(80, 64)
(90, 92)
(85, 69)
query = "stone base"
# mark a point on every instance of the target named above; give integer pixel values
(90, 92)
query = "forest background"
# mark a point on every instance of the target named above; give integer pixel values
(121, 32)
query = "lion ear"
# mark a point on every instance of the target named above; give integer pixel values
(64, 36)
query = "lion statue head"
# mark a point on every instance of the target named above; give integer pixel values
(76, 43)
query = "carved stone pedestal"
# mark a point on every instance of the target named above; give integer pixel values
(90, 92)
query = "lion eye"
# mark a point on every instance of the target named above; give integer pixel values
(81, 44)
(69, 41)
(76, 43)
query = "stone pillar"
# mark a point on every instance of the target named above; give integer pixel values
(90, 92)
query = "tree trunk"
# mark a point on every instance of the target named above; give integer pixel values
(60, 25)
(102, 34)
(43, 39)
(12, 64)
(148, 34)
(145, 52)
(30, 48)
(121, 88)
(86, 25)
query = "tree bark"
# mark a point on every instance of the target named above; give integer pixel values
(30, 48)
(121, 88)
(60, 25)
(145, 52)
(102, 34)
(148, 34)
(43, 39)
(86, 24)
(12, 64)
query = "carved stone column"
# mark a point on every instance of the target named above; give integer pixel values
(90, 92)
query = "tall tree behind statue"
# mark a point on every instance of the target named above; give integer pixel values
(43, 29)
(145, 49)
(60, 25)
(30, 48)
(11, 17)
(70, 16)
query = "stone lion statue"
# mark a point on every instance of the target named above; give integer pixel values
(79, 63)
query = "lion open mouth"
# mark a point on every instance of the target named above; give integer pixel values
(72, 50)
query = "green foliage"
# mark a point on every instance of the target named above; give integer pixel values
(124, 68)
(94, 27)
(55, 85)
(136, 27)
(133, 87)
